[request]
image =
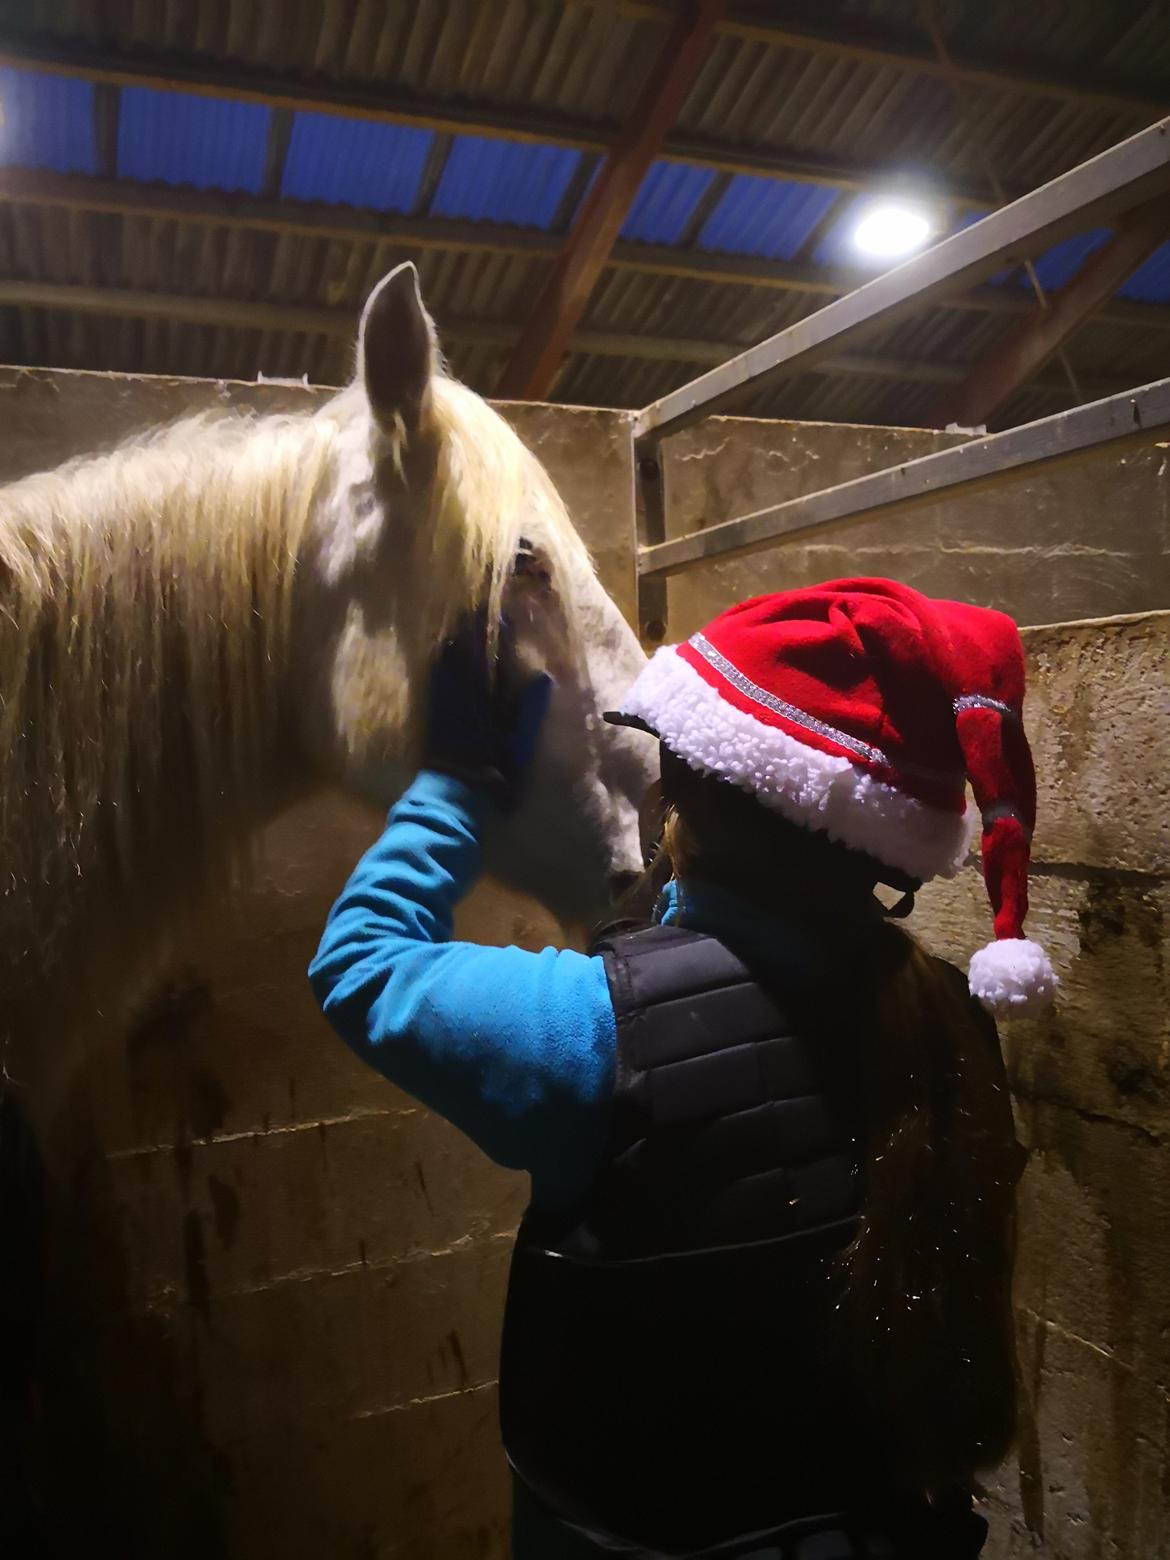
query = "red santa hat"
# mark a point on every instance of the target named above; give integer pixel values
(863, 708)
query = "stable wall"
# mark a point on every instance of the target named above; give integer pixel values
(1084, 541)
(277, 1283)
(1091, 1082)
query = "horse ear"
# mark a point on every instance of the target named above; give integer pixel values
(397, 349)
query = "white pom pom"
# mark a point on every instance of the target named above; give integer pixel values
(1013, 977)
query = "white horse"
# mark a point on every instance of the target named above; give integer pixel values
(211, 620)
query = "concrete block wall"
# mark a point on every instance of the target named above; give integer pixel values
(1092, 1090)
(1084, 541)
(276, 1283)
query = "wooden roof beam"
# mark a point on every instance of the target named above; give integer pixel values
(1028, 346)
(536, 358)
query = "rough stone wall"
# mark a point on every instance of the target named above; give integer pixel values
(1092, 1089)
(276, 1283)
(1085, 541)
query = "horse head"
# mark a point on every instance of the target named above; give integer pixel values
(434, 505)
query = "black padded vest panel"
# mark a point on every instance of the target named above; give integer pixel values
(669, 1372)
(670, 1375)
(724, 1131)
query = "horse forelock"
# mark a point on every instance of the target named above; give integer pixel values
(490, 495)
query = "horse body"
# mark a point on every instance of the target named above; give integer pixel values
(207, 622)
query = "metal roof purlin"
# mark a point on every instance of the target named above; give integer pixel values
(859, 42)
(1118, 179)
(37, 188)
(248, 84)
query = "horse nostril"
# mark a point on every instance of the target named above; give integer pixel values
(620, 883)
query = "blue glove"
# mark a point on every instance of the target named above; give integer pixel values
(484, 720)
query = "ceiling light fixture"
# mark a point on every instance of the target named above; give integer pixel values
(890, 229)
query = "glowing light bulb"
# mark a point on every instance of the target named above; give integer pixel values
(889, 230)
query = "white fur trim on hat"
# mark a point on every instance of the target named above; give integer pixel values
(1013, 977)
(816, 789)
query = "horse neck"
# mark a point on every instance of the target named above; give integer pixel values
(143, 657)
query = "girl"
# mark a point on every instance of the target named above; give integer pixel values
(760, 1303)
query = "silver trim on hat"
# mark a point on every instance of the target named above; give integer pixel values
(759, 695)
(799, 717)
(980, 701)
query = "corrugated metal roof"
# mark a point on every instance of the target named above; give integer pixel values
(504, 181)
(1061, 263)
(477, 286)
(1078, 34)
(666, 202)
(1054, 266)
(588, 61)
(767, 217)
(941, 336)
(632, 303)
(179, 138)
(1125, 352)
(354, 162)
(1151, 282)
(580, 64)
(585, 379)
(883, 116)
(46, 122)
(48, 338)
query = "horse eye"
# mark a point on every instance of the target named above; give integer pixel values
(528, 564)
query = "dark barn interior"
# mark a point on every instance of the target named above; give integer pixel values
(253, 1290)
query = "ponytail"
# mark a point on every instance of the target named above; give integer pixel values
(927, 1303)
(925, 1306)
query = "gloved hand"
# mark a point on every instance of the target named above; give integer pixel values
(484, 719)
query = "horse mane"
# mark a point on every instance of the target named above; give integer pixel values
(145, 606)
(145, 598)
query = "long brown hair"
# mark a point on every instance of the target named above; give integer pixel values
(926, 1303)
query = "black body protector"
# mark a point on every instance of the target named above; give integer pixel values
(671, 1382)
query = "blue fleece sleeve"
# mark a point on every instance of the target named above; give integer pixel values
(517, 1049)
